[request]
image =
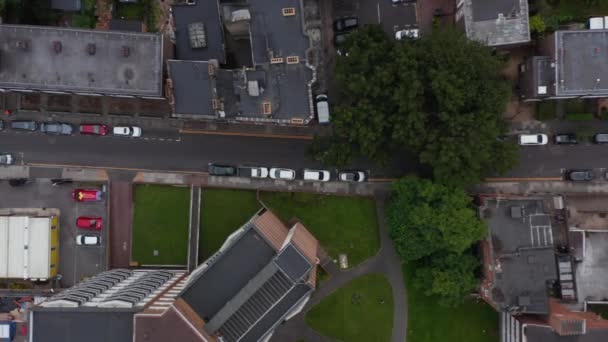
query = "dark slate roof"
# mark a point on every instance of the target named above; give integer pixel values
(277, 313)
(192, 87)
(207, 12)
(293, 263)
(65, 325)
(489, 9)
(66, 5)
(546, 334)
(228, 274)
(126, 25)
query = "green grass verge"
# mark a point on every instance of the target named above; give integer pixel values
(222, 212)
(341, 224)
(473, 321)
(600, 309)
(360, 311)
(579, 116)
(160, 222)
(136, 11)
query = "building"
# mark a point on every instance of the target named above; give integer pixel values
(496, 23)
(269, 78)
(572, 66)
(66, 60)
(262, 275)
(29, 247)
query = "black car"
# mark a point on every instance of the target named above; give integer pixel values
(565, 139)
(25, 125)
(221, 170)
(346, 24)
(59, 128)
(579, 175)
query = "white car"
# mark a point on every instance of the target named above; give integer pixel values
(533, 139)
(285, 174)
(88, 240)
(316, 175)
(411, 33)
(352, 176)
(6, 159)
(259, 172)
(127, 131)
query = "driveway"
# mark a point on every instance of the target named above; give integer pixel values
(121, 221)
(372, 12)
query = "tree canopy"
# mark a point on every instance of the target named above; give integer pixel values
(441, 96)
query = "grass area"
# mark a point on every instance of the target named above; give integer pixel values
(600, 309)
(160, 222)
(579, 116)
(222, 212)
(472, 321)
(342, 224)
(360, 311)
(86, 18)
(546, 110)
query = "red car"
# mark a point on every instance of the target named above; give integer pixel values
(86, 195)
(93, 129)
(86, 222)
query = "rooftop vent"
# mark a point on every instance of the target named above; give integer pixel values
(293, 60)
(289, 11)
(210, 69)
(542, 90)
(126, 51)
(57, 47)
(242, 14)
(91, 48)
(267, 108)
(276, 60)
(253, 88)
(197, 35)
(215, 104)
(22, 44)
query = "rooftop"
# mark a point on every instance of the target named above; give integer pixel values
(81, 61)
(497, 22)
(581, 67)
(535, 333)
(193, 87)
(522, 254)
(591, 272)
(206, 12)
(94, 325)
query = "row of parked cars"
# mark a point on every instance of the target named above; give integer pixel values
(559, 139)
(90, 223)
(284, 174)
(63, 128)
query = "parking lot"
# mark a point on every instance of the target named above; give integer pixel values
(75, 262)
(391, 17)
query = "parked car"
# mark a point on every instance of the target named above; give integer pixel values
(221, 170)
(88, 240)
(533, 139)
(352, 176)
(322, 109)
(565, 139)
(411, 33)
(6, 159)
(285, 174)
(128, 131)
(600, 138)
(59, 128)
(253, 172)
(93, 129)
(345, 24)
(88, 222)
(24, 125)
(17, 182)
(579, 175)
(317, 175)
(86, 195)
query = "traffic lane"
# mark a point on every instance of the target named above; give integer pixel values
(552, 160)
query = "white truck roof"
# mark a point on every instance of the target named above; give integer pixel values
(25, 244)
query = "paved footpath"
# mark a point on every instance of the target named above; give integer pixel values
(195, 218)
(386, 262)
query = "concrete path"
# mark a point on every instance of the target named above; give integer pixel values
(121, 222)
(386, 262)
(195, 219)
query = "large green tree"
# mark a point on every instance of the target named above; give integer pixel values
(441, 97)
(426, 218)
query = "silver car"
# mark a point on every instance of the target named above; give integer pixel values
(58, 128)
(6, 159)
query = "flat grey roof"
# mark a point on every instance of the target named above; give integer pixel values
(208, 13)
(536, 333)
(77, 325)
(223, 279)
(192, 87)
(581, 66)
(85, 61)
(521, 236)
(293, 263)
(482, 21)
(270, 30)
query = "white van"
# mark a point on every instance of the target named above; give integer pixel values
(533, 139)
(322, 109)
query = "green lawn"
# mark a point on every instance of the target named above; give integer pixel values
(600, 309)
(341, 224)
(160, 222)
(429, 322)
(360, 311)
(222, 212)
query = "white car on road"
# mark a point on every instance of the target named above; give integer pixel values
(316, 175)
(533, 139)
(127, 131)
(285, 174)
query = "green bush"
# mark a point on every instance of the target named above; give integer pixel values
(579, 116)
(537, 24)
